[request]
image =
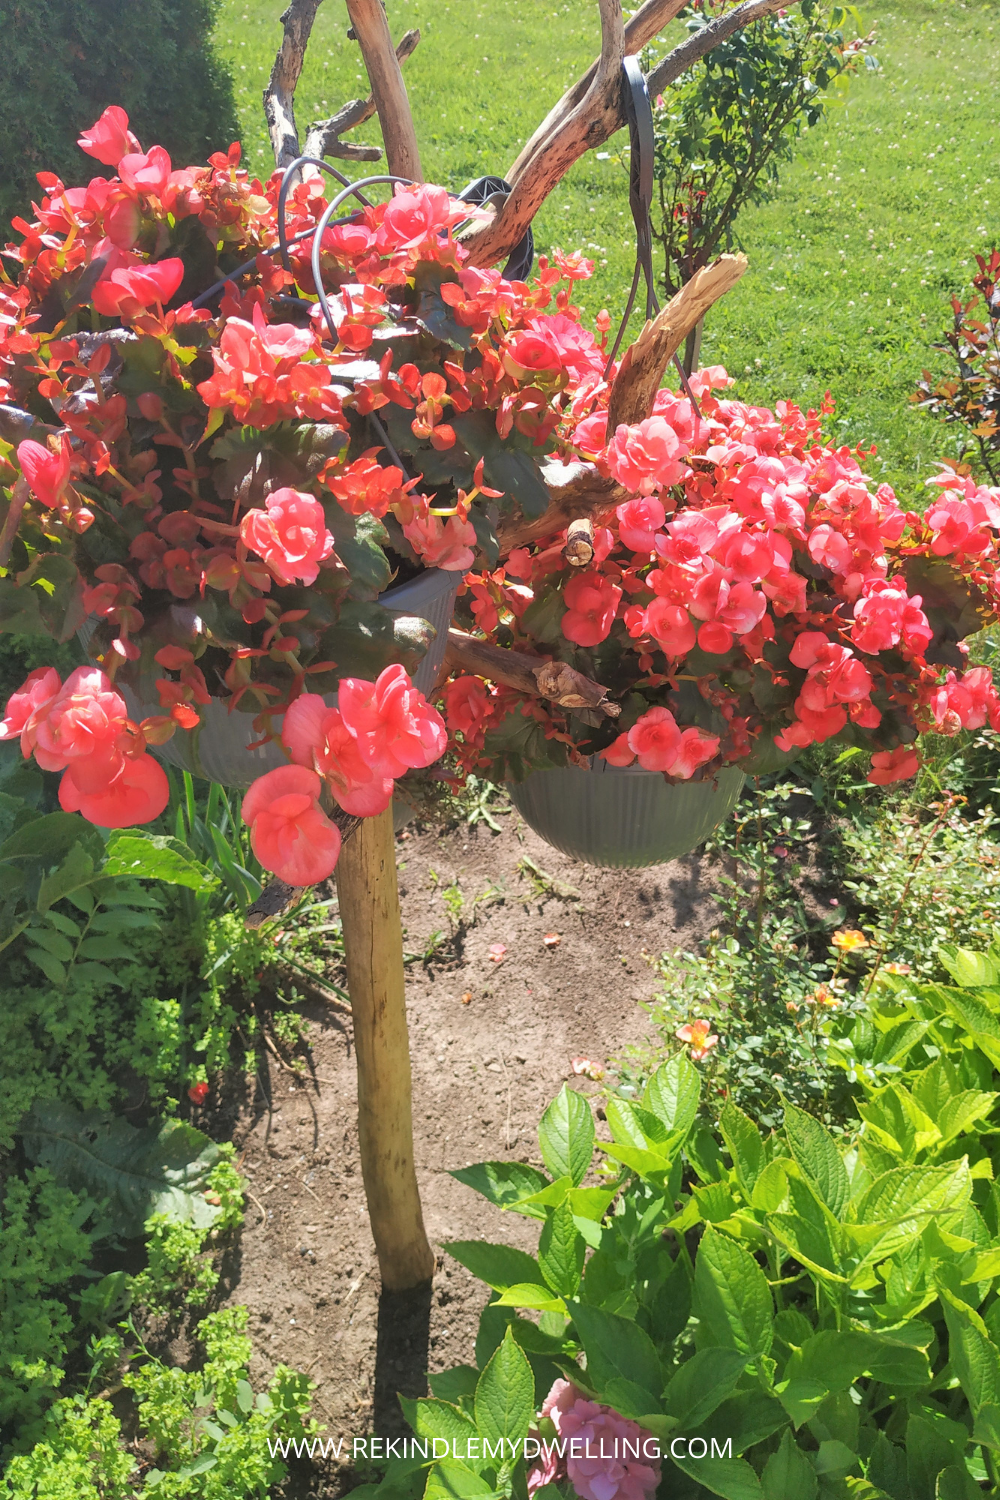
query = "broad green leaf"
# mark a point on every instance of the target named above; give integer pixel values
(566, 1135)
(969, 970)
(788, 1474)
(810, 1240)
(887, 1466)
(732, 1478)
(47, 840)
(615, 1346)
(161, 1168)
(973, 1356)
(452, 1385)
(505, 1183)
(531, 1294)
(633, 1401)
(50, 967)
(771, 1188)
(505, 1398)
(905, 1192)
(815, 1151)
(835, 1359)
(450, 1480)
(963, 1111)
(701, 1383)
(746, 1418)
(744, 1144)
(977, 1020)
(52, 942)
(591, 1203)
(801, 1399)
(643, 1163)
(630, 1125)
(835, 1457)
(933, 1442)
(561, 1252)
(500, 1266)
(732, 1299)
(149, 856)
(956, 1483)
(76, 870)
(893, 1045)
(443, 1424)
(673, 1092)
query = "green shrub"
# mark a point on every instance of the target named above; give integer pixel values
(64, 61)
(820, 1315)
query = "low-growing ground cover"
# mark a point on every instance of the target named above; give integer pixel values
(852, 263)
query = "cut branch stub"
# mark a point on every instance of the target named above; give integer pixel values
(644, 363)
(579, 490)
(371, 28)
(579, 548)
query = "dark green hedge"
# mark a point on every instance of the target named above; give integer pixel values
(63, 61)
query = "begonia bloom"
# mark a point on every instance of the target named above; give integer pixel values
(290, 535)
(395, 727)
(109, 138)
(290, 833)
(591, 599)
(138, 794)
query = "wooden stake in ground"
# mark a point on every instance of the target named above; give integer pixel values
(373, 939)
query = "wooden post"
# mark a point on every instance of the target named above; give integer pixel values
(373, 939)
(371, 28)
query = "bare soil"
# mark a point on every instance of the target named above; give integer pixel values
(491, 1045)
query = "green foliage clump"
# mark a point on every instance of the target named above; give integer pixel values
(65, 61)
(180, 1271)
(724, 126)
(787, 1315)
(78, 1458)
(44, 1248)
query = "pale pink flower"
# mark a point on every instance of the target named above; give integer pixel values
(394, 725)
(607, 1456)
(647, 457)
(290, 833)
(290, 535)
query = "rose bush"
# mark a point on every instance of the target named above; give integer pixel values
(760, 594)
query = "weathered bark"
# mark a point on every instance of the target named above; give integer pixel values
(373, 942)
(645, 362)
(528, 673)
(371, 28)
(279, 96)
(323, 136)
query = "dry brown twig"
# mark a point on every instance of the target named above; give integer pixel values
(323, 136)
(529, 673)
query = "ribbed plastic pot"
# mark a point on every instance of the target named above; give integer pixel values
(218, 749)
(622, 817)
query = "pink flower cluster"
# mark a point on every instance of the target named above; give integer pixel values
(377, 732)
(602, 1454)
(656, 741)
(81, 727)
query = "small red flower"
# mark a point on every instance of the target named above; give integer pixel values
(198, 1093)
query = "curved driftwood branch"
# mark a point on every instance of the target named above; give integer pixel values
(529, 673)
(368, 21)
(593, 121)
(597, 116)
(323, 136)
(279, 96)
(647, 21)
(644, 363)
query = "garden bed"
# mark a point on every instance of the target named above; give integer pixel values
(483, 1072)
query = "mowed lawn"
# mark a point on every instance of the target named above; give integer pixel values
(852, 263)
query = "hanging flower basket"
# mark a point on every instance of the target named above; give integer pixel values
(218, 747)
(623, 817)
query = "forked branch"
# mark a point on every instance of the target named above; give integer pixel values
(323, 136)
(279, 96)
(529, 673)
(371, 28)
(575, 130)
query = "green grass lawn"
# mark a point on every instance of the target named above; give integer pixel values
(851, 264)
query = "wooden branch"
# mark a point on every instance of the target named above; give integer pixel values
(647, 21)
(373, 945)
(8, 532)
(528, 673)
(701, 42)
(323, 136)
(593, 121)
(579, 490)
(369, 23)
(645, 362)
(279, 96)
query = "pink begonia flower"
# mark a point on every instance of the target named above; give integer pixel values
(591, 434)
(29, 704)
(655, 739)
(966, 702)
(145, 171)
(138, 794)
(394, 725)
(638, 523)
(290, 833)
(894, 765)
(553, 344)
(591, 599)
(600, 1449)
(290, 535)
(316, 736)
(447, 544)
(80, 731)
(619, 753)
(466, 704)
(414, 214)
(748, 555)
(887, 616)
(647, 457)
(697, 747)
(671, 627)
(47, 473)
(132, 288)
(109, 138)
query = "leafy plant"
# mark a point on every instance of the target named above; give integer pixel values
(726, 124)
(785, 1316)
(970, 398)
